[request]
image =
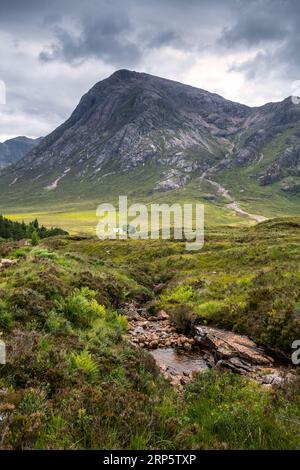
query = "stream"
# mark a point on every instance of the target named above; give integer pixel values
(179, 356)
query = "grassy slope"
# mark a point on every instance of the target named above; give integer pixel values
(73, 381)
(73, 206)
(78, 213)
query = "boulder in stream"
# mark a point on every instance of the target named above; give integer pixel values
(236, 351)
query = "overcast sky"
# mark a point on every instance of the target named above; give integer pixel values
(51, 52)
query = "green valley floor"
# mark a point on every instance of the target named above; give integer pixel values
(73, 380)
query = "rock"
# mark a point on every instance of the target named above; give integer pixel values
(139, 329)
(136, 317)
(6, 263)
(187, 346)
(236, 365)
(162, 315)
(184, 380)
(272, 379)
(158, 288)
(208, 358)
(226, 345)
(132, 313)
(135, 340)
(181, 340)
(176, 381)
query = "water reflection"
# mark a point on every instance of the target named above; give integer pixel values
(179, 362)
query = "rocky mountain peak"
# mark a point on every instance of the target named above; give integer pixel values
(132, 120)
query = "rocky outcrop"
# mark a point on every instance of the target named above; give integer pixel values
(172, 179)
(6, 263)
(286, 163)
(241, 355)
(229, 347)
(290, 186)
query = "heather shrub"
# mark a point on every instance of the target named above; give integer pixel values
(57, 324)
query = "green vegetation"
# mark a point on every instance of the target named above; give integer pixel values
(245, 280)
(14, 230)
(34, 238)
(72, 380)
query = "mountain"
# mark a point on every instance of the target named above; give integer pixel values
(13, 150)
(153, 137)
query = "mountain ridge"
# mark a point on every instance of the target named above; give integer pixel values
(13, 150)
(167, 132)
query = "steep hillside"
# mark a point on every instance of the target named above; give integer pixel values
(153, 138)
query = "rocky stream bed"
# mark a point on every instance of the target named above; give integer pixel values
(180, 356)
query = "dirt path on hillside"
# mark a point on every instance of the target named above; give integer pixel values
(233, 205)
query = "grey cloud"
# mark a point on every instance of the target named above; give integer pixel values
(75, 43)
(106, 38)
(252, 31)
(271, 28)
(283, 61)
(166, 38)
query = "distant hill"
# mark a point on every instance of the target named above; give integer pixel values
(12, 150)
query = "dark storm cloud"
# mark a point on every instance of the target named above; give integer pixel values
(52, 51)
(121, 33)
(104, 37)
(254, 30)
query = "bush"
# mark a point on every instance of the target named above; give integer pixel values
(6, 318)
(57, 324)
(81, 307)
(180, 294)
(44, 253)
(210, 308)
(34, 238)
(21, 252)
(28, 305)
(84, 362)
(34, 401)
(183, 316)
(118, 324)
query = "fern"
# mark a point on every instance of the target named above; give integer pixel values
(85, 363)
